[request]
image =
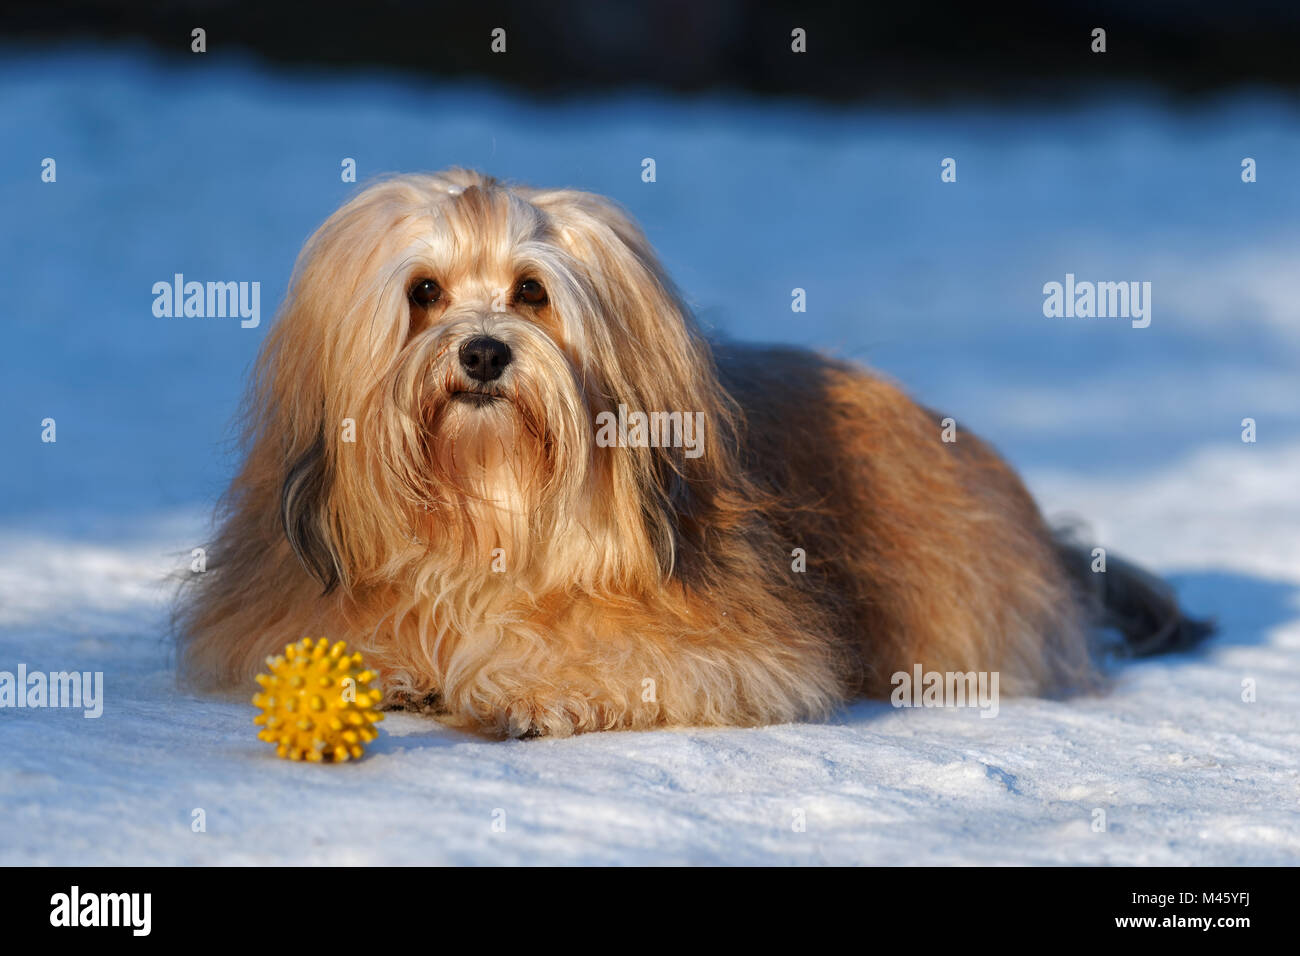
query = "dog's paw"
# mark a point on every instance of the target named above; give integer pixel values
(548, 715)
(430, 703)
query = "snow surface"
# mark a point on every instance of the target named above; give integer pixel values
(219, 169)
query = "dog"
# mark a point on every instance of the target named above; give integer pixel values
(425, 478)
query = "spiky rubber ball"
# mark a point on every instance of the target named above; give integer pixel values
(317, 703)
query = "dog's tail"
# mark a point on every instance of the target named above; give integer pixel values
(1132, 601)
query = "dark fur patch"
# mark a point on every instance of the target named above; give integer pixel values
(302, 503)
(1136, 603)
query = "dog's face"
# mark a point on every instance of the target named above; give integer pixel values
(431, 386)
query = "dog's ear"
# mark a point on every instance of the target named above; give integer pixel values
(648, 354)
(302, 512)
(317, 368)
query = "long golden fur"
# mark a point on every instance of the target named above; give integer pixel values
(489, 556)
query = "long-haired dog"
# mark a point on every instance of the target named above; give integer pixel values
(425, 478)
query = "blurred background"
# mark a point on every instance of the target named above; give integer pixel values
(775, 170)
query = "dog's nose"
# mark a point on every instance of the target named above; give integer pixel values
(484, 358)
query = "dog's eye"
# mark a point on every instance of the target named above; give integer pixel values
(531, 291)
(425, 293)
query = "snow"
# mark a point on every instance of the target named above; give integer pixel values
(220, 170)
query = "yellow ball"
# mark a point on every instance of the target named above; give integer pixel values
(317, 703)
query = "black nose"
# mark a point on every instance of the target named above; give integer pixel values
(484, 358)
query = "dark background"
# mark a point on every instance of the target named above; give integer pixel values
(915, 51)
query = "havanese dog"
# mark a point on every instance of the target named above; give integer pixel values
(488, 446)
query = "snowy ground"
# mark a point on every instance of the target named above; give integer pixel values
(209, 171)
